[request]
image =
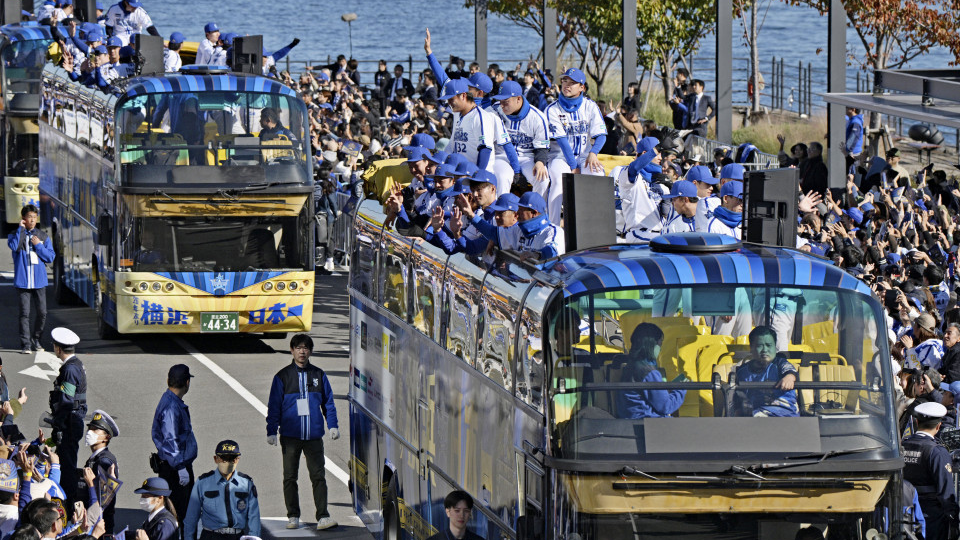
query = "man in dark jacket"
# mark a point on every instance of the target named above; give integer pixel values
(300, 399)
(813, 171)
(950, 366)
(32, 250)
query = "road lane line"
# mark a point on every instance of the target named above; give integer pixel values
(328, 463)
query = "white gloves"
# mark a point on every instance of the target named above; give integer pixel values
(334, 433)
(184, 477)
(272, 440)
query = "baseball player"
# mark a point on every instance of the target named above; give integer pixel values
(574, 121)
(474, 130)
(527, 128)
(126, 18)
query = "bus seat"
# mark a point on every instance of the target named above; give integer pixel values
(827, 400)
(724, 370)
(698, 357)
(829, 343)
(564, 404)
(600, 344)
(742, 340)
(818, 330)
(280, 141)
(630, 320)
(799, 347)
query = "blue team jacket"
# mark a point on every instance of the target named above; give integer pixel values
(26, 275)
(291, 384)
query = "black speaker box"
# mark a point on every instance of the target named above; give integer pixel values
(770, 207)
(151, 48)
(12, 10)
(85, 10)
(247, 55)
(588, 211)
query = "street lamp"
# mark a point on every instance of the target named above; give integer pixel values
(349, 18)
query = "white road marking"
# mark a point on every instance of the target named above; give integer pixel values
(37, 371)
(328, 464)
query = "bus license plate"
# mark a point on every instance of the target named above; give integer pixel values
(219, 322)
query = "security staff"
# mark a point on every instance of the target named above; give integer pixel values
(224, 499)
(100, 431)
(161, 524)
(927, 466)
(68, 406)
(172, 434)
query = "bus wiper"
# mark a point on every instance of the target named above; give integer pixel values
(740, 469)
(632, 471)
(806, 459)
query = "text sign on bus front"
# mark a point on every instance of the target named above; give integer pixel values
(219, 322)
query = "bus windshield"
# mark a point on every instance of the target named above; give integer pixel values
(647, 373)
(22, 65)
(263, 134)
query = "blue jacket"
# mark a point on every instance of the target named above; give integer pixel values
(221, 503)
(172, 432)
(291, 384)
(854, 134)
(26, 275)
(163, 526)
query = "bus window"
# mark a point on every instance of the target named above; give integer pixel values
(462, 297)
(427, 276)
(394, 285)
(363, 271)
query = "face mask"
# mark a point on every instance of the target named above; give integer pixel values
(91, 438)
(656, 352)
(226, 468)
(147, 504)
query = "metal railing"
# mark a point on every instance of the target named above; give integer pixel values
(705, 148)
(341, 238)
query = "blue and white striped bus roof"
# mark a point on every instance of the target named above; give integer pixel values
(627, 266)
(26, 32)
(182, 82)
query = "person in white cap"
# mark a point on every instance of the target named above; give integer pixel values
(928, 466)
(68, 406)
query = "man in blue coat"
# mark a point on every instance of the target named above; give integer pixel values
(300, 398)
(852, 145)
(32, 250)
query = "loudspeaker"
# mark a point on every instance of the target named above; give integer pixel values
(588, 211)
(770, 207)
(247, 55)
(150, 48)
(12, 10)
(85, 10)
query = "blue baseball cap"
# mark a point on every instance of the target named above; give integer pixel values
(682, 188)
(734, 188)
(701, 173)
(854, 214)
(94, 35)
(646, 144)
(482, 176)
(134, 3)
(99, 5)
(533, 201)
(455, 159)
(228, 40)
(454, 87)
(127, 51)
(416, 153)
(462, 185)
(732, 171)
(177, 37)
(508, 89)
(866, 207)
(444, 170)
(114, 42)
(466, 168)
(893, 258)
(576, 75)
(423, 140)
(211, 27)
(100, 49)
(438, 157)
(505, 202)
(481, 82)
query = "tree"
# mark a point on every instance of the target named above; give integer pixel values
(529, 14)
(751, 31)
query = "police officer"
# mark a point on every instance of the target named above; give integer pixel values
(927, 466)
(225, 499)
(161, 524)
(68, 406)
(100, 431)
(172, 434)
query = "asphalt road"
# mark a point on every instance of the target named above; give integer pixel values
(227, 398)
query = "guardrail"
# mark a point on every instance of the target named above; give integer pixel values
(341, 238)
(705, 148)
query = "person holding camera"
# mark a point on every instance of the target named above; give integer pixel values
(32, 251)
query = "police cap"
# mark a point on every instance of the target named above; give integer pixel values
(65, 337)
(179, 374)
(158, 487)
(102, 420)
(228, 448)
(930, 411)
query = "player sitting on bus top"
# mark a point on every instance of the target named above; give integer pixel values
(270, 126)
(502, 231)
(727, 217)
(534, 233)
(471, 214)
(767, 366)
(440, 195)
(641, 366)
(683, 195)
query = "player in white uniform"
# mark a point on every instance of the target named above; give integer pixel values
(205, 51)
(728, 216)
(46, 10)
(574, 121)
(127, 18)
(171, 54)
(707, 205)
(683, 195)
(529, 133)
(474, 130)
(534, 232)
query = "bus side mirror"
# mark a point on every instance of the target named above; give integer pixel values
(104, 229)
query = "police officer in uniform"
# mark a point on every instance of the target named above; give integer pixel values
(927, 466)
(68, 406)
(100, 431)
(161, 524)
(224, 499)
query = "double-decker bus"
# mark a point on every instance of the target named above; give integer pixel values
(180, 202)
(23, 51)
(510, 381)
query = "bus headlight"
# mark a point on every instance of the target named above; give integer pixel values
(143, 286)
(156, 286)
(281, 286)
(28, 188)
(268, 286)
(168, 286)
(293, 285)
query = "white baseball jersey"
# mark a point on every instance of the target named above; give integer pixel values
(549, 236)
(205, 52)
(219, 57)
(126, 24)
(45, 11)
(171, 61)
(528, 133)
(719, 227)
(705, 208)
(474, 130)
(579, 127)
(679, 224)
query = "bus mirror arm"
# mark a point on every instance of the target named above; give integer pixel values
(104, 229)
